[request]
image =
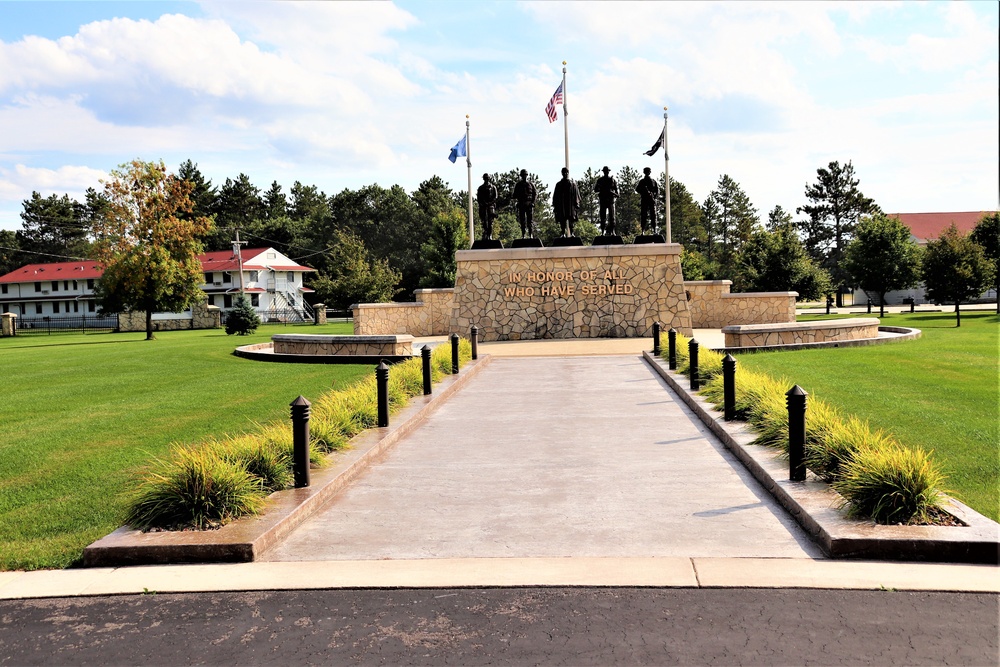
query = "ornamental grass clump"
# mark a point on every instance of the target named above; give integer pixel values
(197, 488)
(264, 459)
(891, 485)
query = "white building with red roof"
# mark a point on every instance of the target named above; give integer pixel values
(273, 282)
(926, 227)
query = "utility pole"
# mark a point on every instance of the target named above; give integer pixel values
(239, 258)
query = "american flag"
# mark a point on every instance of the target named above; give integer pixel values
(550, 109)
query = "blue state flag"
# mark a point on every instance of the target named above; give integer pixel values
(458, 150)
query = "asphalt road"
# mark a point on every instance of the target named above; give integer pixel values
(550, 626)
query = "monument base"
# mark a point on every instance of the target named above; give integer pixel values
(614, 239)
(526, 243)
(610, 291)
(487, 244)
(564, 241)
(649, 238)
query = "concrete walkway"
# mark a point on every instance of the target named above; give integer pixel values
(554, 457)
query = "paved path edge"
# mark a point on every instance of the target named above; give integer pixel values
(246, 539)
(813, 503)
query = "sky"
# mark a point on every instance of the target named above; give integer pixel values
(343, 94)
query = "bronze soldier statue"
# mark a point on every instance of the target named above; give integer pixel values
(525, 195)
(486, 195)
(607, 192)
(566, 203)
(648, 192)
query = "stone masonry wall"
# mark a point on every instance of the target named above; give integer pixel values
(9, 324)
(712, 306)
(203, 316)
(343, 345)
(763, 335)
(430, 315)
(570, 292)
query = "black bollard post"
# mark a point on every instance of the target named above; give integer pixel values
(913, 305)
(300, 441)
(425, 360)
(729, 387)
(474, 339)
(829, 302)
(656, 338)
(869, 306)
(672, 349)
(454, 353)
(693, 365)
(382, 383)
(796, 397)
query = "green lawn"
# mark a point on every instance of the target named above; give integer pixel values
(82, 412)
(939, 392)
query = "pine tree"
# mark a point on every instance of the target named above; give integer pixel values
(242, 319)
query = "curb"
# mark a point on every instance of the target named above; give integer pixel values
(246, 539)
(813, 503)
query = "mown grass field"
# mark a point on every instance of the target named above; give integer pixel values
(939, 392)
(81, 413)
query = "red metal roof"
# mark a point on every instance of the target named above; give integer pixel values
(225, 260)
(930, 225)
(58, 271)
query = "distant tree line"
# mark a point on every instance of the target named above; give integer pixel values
(376, 243)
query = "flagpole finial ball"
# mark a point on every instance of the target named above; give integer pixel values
(564, 62)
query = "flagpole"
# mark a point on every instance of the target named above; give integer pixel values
(565, 118)
(468, 164)
(666, 175)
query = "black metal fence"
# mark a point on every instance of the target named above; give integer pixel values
(44, 324)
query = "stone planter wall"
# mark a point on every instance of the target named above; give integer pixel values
(712, 306)
(307, 344)
(203, 316)
(9, 324)
(429, 315)
(764, 335)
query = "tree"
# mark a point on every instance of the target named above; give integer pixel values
(777, 262)
(686, 225)
(777, 218)
(237, 206)
(53, 228)
(628, 204)
(242, 319)
(275, 202)
(354, 277)
(732, 218)
(150, 254)
(203, 194)
(835, 206)
(10, 255)
(987, 235)
(955, 269)
(882, 258)
(447, 236)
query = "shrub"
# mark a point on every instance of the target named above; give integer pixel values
(242, 319)
(890, 484)
(197, 489)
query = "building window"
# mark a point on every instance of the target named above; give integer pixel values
(211, 299)
(55, 285)
(3, 289)
(255, 300)
(91, 306)
(66, 285)
(90, 283)
(291, 276)
(76, 306)
(253, 277)
(208, 278)
(38, 287)
(6, 308)
(38, 308)
(55, 307)
(227, 300)
(76, 286)
(227, 278)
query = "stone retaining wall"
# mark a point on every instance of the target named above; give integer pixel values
(9, 324)
(763, 335)
(307, 344)
(712, 306)
(429, 315)
(203, 316)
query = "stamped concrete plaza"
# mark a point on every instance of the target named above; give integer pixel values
(554, 457)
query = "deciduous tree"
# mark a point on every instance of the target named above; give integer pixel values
(882, 258)
(353, 276)
(448, 235)
(955, 269)
(149, 253)
(987, 235)
(777, 262)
